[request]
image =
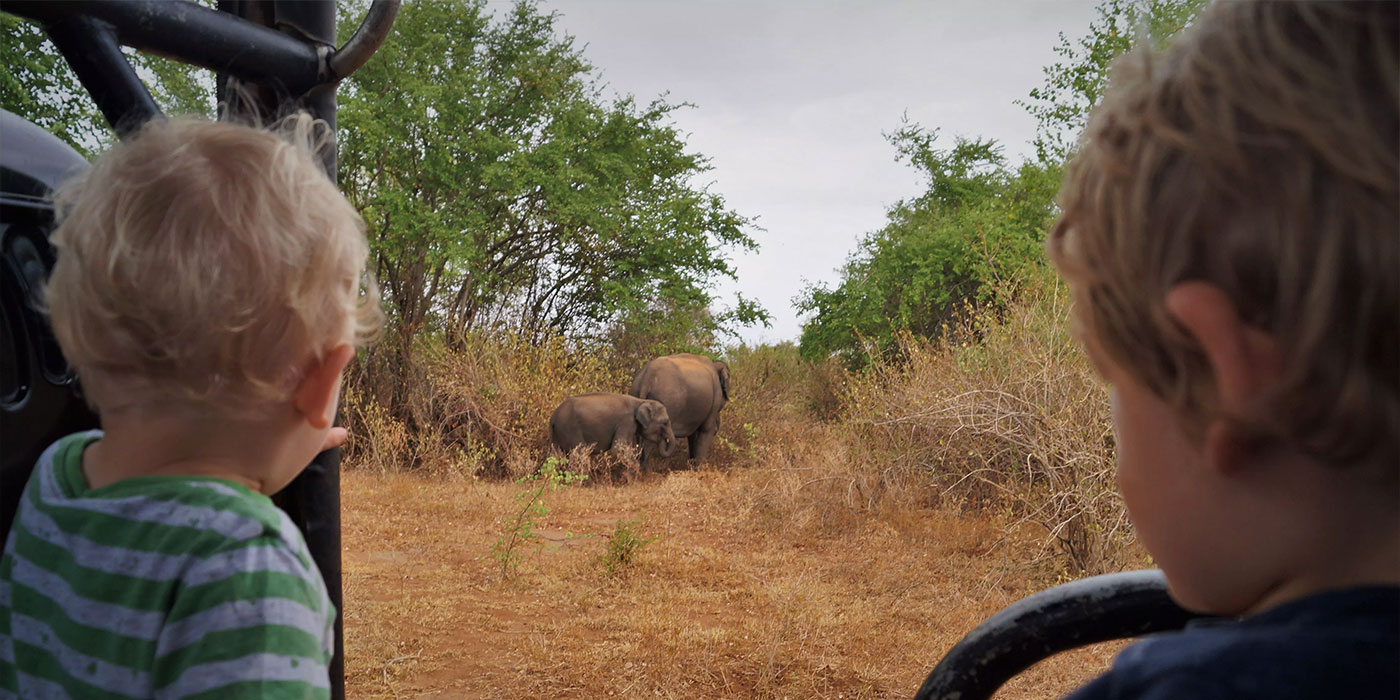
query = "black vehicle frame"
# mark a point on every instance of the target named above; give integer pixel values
(281, 55)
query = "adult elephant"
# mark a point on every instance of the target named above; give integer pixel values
(610, 420)
(693, 388)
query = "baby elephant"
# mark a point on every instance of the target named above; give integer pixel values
(606, 420)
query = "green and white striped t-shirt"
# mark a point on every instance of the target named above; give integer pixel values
(162, 586)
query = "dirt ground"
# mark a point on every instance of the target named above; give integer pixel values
(742, 591)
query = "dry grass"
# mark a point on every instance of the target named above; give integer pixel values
(479, 409)
(734, 599)
(1012, 418)
(847, 530)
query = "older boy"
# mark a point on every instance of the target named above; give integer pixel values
(1231, 232)
(208, 292)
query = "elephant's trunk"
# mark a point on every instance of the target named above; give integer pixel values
(668, 444)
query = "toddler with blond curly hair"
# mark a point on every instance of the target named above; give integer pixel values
(209, 291)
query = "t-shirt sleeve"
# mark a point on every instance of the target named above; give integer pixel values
(248, 622)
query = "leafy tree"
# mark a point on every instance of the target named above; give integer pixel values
(980, 223)
(37, 84)
(976, 225)
(502, 191)
(1074, 85)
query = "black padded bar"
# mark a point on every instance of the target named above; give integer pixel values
(90, 47)
(313, 497)
(194, 34)
(1071, 615)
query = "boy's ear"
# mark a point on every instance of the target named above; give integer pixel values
(316, 394)
(1244, 362)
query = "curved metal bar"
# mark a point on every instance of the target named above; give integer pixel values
(196, 35)
(1095, 609)
(373, 30)
(221, 42)
(90, 47)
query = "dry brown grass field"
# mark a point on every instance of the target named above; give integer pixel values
(848, 530)
(733, 599)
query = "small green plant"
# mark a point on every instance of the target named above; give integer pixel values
(623, 546)
(529, 512)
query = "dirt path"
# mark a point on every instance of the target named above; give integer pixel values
(747, 591)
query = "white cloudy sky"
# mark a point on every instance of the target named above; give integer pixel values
(792, 98)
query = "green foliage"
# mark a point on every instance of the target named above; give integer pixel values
(977, 225)
(978, 229)
(37, 84)
(1074, 85)
(529, 512)
(502, 191)
(624, 544)
(178, 88)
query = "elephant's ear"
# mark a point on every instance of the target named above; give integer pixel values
(645, 413)
(723, 371)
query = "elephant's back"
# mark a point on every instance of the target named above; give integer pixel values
(686, 384)
(588, 418)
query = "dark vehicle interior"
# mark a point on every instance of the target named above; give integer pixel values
(283, 52)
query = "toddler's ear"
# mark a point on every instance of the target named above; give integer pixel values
(316, 394)
(1244, 362)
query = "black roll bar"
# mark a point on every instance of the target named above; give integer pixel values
(199, 36)
(370, 35)
(91, 48)
(192, 34)
(1068, 616)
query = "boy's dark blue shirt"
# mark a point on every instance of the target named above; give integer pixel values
(1341, 644)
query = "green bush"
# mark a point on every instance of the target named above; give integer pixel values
(624, 544)
(529, 512)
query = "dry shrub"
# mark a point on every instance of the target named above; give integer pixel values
(478, 408)
(615, 467)
(378, 441)
(1007, 413)
(1004, 414)
(498, 392)
(777, 399)
(806, 480)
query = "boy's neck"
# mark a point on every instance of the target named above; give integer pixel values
(1343, 531)
(154, 443)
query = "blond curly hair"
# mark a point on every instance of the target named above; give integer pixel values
(208, 264)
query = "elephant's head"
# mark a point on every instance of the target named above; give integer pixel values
(723, 371)
(654, 426)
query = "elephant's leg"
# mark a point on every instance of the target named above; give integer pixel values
(703, 439)
(624, 446)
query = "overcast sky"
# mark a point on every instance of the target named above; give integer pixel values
(792, 98)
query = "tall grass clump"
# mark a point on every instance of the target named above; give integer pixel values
(777, 402)
(479, 407)
(1005, 413)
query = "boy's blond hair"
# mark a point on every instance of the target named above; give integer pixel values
(1259, 153)
(207, 264)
